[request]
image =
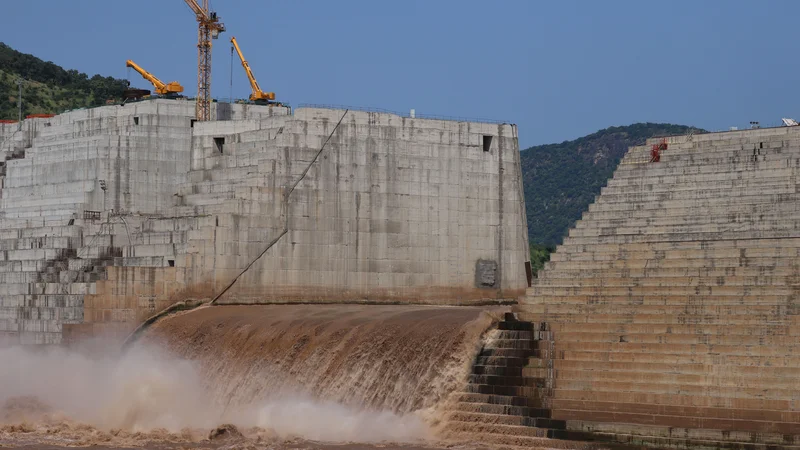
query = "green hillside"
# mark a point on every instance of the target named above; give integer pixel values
(48, 88)
(561, 180)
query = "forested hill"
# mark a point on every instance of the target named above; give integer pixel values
(48, 87)
(561, 180)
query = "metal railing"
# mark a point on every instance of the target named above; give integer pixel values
(404, 114)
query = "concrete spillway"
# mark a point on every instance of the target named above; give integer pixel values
(397, 358)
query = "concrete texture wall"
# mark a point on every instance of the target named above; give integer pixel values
(293, 207)
(671, 308)
(392, 209)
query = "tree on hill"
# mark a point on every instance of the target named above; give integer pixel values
(49, 88)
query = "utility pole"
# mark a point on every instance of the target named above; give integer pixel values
(19, 104)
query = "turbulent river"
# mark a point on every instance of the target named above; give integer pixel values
(303, 376)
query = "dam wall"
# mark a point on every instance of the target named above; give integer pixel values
(111, 214)
(670, 311)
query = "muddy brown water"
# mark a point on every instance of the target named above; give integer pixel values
(397, 358)
(289, 376)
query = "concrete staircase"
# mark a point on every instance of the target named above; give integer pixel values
(507, 398)
(44, 274)
(673, 302)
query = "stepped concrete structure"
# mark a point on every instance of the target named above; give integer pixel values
(669, 316)
(109, 215)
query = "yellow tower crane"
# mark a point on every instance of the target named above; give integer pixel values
(257, 95)
(209, 27)
(171, 88)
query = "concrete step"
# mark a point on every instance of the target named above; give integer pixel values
(529, 312)
(39, 243)
(786, 350)
(668, 338)
(768, 362)
(646, 441)
(505, 430)
(489, 408)
(499, 343)
(689, 218)
(513, 371)
(493, 360)
(41, 301)
(611, 387)
(690, 210)
(718, 380)
(24, 229)
(46, 288)
(787, 225)
(684, 410)
(672, 272)
(724, 180)
(684, 254)
(682, 181)
(504, 419)
(498, 380)
(687, 312)
(680, 167)
(463, 432)
(654, 236)
(684, 290)
(668, 369)
(745, 282)
(51, 316)
(506, 352)
(788, 263)
(499, 399)
(726, 199)
(784, 429)
(713, 330)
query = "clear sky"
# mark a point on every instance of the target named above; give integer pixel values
(559, 69)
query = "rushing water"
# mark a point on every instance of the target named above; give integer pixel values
(345, 373)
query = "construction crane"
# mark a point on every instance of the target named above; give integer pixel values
(258, 95)
(171, 88)
(209, 27)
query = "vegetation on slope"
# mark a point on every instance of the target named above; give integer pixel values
(561, 180)
(48, 87)
(540, 254)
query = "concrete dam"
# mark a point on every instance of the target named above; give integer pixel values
(377, 262)
(114, 213)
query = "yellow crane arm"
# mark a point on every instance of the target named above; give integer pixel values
(161, 88)
(257, 94)
(210, 21)
(197, 9)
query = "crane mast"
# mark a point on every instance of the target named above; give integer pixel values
(208, 27)
(173, 87)
(257, 94)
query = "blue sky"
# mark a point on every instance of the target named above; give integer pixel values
(559, 69)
